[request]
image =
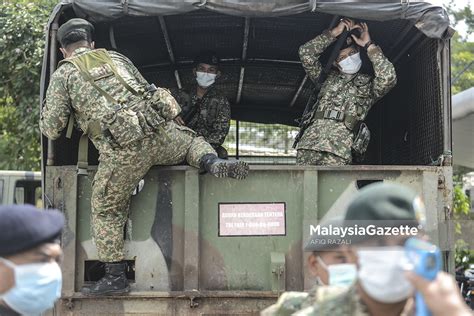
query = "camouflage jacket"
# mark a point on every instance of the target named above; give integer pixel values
(69, 92)
(211, 119)
(345, 302)
(352, 94)
(291, 302)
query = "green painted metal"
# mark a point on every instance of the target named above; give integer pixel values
(187, 254)
(277, 271)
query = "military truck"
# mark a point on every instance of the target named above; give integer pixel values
(198, 245)
(20, 187)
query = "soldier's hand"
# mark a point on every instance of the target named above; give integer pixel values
(441, 295)
(364, 35)
(344, 24)
(179, 120)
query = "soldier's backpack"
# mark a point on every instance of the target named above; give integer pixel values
(121, 123)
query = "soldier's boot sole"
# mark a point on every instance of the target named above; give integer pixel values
(235, 169)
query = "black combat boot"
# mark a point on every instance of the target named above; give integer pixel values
(224, 168)
(114, 281)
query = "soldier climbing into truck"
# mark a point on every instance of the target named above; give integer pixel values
(133, 129)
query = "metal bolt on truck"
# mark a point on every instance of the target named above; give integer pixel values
(186, 250)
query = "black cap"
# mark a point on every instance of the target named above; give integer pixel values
(23, 227)
(207, 57)
(322, 241)
(74, 25)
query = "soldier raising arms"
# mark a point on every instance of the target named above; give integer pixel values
(345, 97)
(131, 125)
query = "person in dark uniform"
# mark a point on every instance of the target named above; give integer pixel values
(30, 276)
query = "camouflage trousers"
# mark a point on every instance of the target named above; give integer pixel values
(319, 158)
(119, 173)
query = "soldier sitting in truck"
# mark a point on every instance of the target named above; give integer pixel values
(131, 124)
(334, 128)
(205, 110)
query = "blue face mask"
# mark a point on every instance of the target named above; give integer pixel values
(37, 287)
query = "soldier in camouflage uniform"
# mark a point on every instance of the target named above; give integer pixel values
(205, 109)
(345, 97)
(381, 287)
(332, 268)
(131, 124)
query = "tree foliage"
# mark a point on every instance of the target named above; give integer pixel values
(22, 40)
(462, 48)
(464, 253)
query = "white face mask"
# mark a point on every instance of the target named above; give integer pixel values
(351, 64)
(381, 274)
(205, 79)
(341, 274)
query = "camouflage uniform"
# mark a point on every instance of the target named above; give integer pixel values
(120, 167)
(319, 158)
(351, 94)
(344, 303)
(212, 118)
(291, 302)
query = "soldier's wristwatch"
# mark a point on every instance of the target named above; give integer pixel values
(366, 46)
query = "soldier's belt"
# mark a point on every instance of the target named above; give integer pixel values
(349, 121)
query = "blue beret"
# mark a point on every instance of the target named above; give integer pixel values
(23, 227)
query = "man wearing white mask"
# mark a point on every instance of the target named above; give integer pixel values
(205, 109)
(30, 277)
(383, 285)
(330, 265)
(335, 129)
(329, 261)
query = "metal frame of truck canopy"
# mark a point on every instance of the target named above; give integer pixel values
(180, 263)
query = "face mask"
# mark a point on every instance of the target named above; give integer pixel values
(381, 274)
(37, 287)
(205, 79)
(351, 64)
(342, 274)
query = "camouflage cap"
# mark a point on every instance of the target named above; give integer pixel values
(74, 25)
(207, 57)
(385, 202)
(322, 241)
